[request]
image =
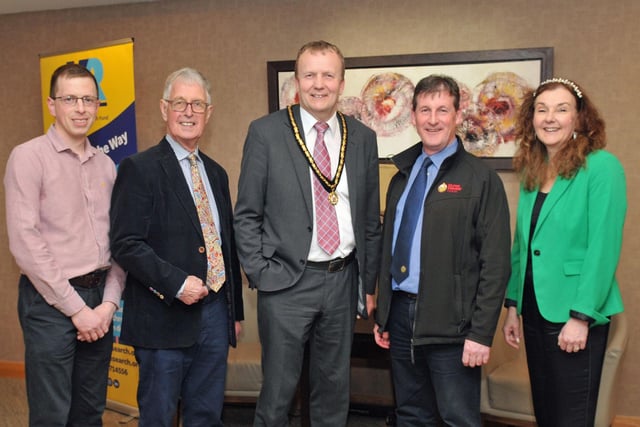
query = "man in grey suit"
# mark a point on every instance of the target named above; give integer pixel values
(308, 238)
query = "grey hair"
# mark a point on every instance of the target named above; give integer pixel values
(190, 75)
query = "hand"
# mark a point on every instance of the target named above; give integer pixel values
(371, 305)
(105, 311)
(238, 326)
(194, 290)
(573, 336)
(475, 354)
(511, 328)
(89, 325)
(382, 338)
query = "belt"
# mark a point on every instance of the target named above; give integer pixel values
(406, 294)
(90, 280)
(333, 266)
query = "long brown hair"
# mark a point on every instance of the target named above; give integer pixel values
(531, 159)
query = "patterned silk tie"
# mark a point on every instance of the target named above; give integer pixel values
(215, 261)
(412, 207)
(326, 218)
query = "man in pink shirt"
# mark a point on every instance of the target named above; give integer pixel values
(58, 191)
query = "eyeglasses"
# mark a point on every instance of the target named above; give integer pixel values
(180, 105)
(71, 100)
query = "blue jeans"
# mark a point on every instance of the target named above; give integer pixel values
(194, 374)
(433, 386)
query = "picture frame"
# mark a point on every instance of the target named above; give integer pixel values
(379, 90)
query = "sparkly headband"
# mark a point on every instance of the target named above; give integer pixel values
(574, 86)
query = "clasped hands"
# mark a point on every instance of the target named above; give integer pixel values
(194, 290)
(93, 324)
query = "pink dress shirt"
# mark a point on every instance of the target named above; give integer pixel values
(57, 205)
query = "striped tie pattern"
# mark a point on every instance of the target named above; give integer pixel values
(326, 218)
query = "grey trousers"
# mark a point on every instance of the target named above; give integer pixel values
(320, 309)
(66, 379)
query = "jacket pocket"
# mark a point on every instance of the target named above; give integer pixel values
(572, 268)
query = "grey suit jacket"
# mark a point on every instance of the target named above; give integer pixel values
(273, 218)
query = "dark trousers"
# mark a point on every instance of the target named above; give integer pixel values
(195, 374)
(564, 385)
(320, 309)
(431, 384)
(66, 379)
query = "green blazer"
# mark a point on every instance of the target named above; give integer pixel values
(576, 244)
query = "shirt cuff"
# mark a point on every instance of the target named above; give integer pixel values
(181, 290)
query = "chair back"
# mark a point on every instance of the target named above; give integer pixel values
(616, 345)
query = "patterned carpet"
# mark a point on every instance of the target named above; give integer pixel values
(13, 411)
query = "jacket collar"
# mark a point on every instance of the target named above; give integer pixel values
(560, 186)
(404, 160)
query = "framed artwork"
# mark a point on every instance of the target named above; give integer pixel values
(379, 90)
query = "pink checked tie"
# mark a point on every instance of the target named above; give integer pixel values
(215, 261)
(326, 219)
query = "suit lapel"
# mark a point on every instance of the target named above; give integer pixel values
(352, 165)
(176, 181)
(527, 198)
(559, 188)
(298, 161)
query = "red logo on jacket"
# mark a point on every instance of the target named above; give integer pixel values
(449, 188)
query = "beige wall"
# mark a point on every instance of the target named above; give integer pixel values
(596, 43)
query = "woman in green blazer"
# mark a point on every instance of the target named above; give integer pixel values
(566, 249)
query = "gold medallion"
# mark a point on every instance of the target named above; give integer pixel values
(333, 198)
(329, 185)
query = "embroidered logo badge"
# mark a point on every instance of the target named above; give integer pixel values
(449, 188)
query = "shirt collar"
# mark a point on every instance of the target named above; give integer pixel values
(60, 145)
(180, 152)
(439, 157)
(308, 121)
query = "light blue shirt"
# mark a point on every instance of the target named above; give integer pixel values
(182, 156)
(412, 282)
